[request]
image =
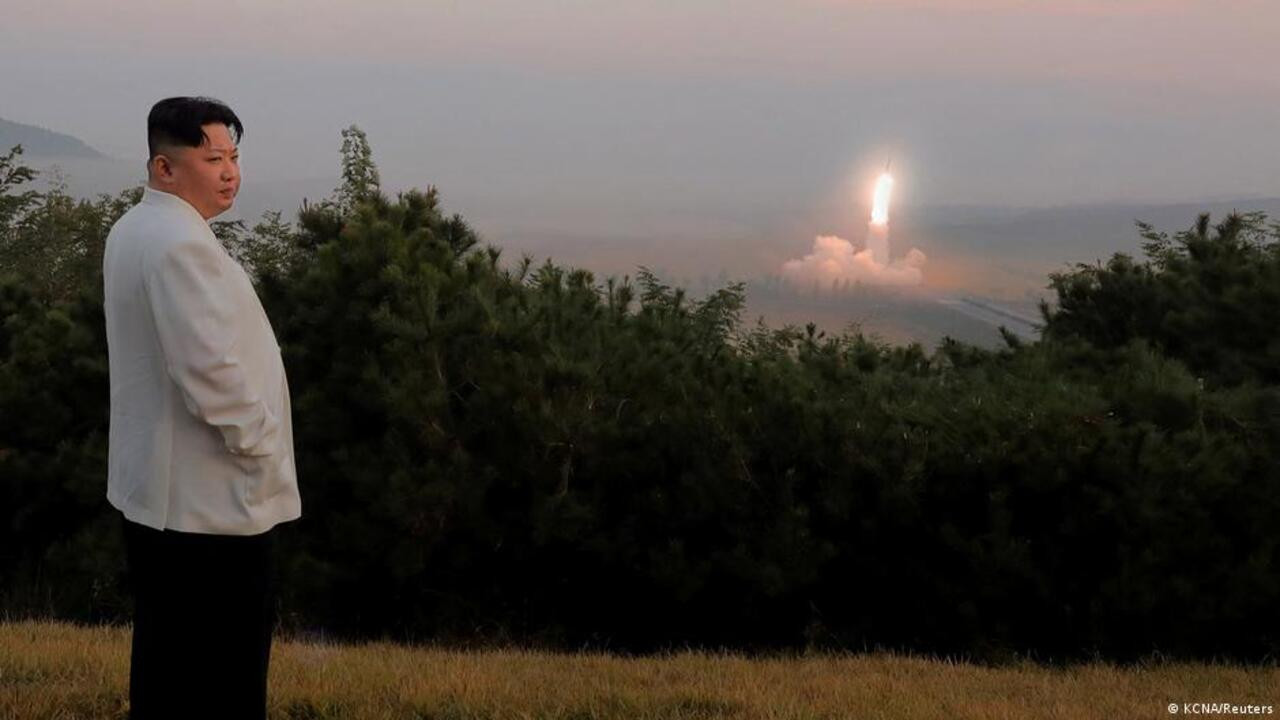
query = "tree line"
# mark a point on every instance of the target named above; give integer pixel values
(524, 454)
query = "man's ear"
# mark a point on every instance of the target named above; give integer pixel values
(161, 167)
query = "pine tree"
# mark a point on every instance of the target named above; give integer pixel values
(360, 180)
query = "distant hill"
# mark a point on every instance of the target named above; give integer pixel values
(39, 142)
(1078, 233)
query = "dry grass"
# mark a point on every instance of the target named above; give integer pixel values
(57, 670)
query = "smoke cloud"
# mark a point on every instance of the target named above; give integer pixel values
(834, 263)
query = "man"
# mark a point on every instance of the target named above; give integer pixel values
(200, 457)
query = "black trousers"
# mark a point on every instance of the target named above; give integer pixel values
(204, 610)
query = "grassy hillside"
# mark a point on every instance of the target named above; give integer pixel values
(52, 670)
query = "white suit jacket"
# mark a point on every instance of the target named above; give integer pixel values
(201, 438)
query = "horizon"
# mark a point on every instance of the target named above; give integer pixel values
(1002, 102)
(707, 135)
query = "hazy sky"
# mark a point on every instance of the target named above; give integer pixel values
(608, 112)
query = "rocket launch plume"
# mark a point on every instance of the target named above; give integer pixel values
(878, 228)
(880, 200)
(834, 261)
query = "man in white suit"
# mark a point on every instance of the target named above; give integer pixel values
(201, 443)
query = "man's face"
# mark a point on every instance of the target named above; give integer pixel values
(207, 177)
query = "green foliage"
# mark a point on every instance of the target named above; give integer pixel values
(524, 453)
(360, 180)
(267, 249)
(50, 240)
(13, 204)
(1210, 299)
(54, 555)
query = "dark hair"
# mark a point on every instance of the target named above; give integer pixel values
(181, 121)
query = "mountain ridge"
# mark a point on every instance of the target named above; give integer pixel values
(42, 142)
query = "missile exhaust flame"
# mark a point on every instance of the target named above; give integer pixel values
(834, 261)
(880, 200)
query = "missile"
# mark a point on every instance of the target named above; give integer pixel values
(880, 198)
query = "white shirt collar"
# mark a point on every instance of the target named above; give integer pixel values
(152, 196)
